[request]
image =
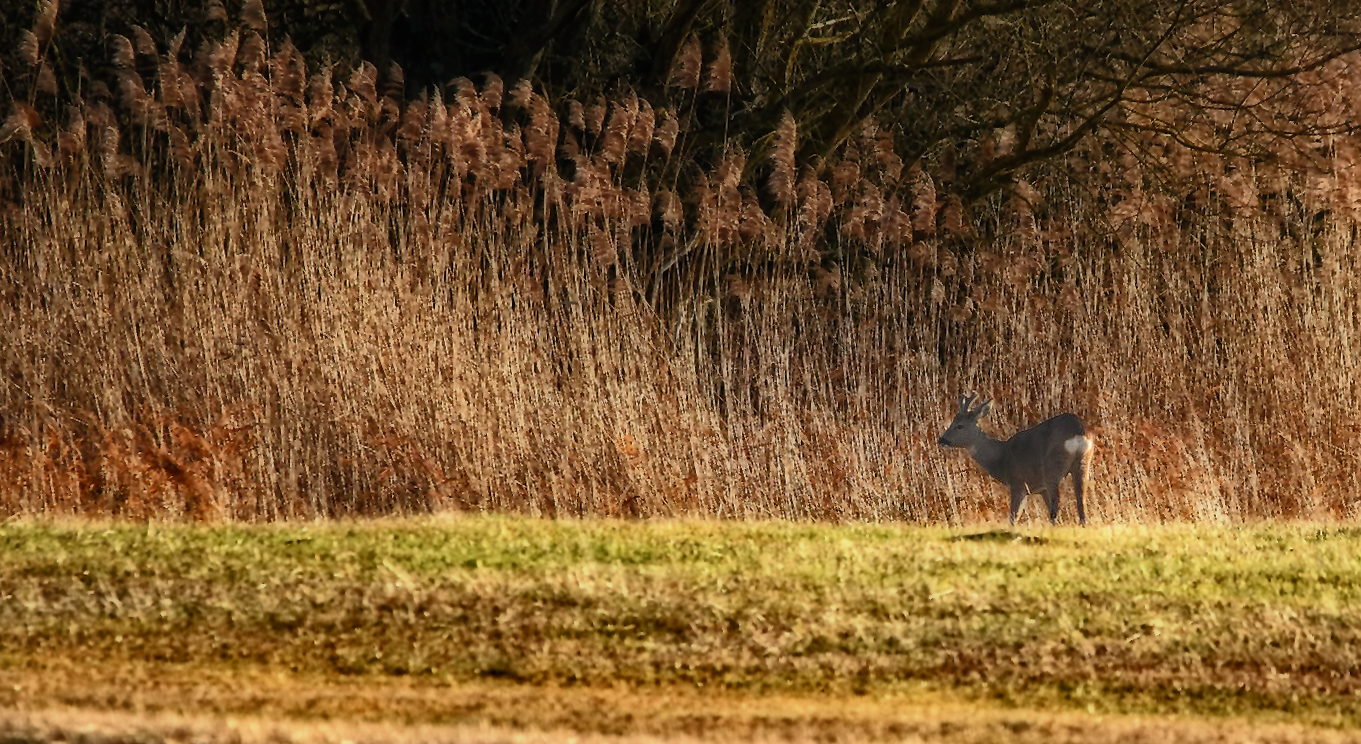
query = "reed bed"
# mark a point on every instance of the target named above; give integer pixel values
(236, 288)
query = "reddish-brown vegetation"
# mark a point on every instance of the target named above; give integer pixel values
(235, 287)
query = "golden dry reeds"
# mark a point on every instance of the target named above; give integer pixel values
(253, 293)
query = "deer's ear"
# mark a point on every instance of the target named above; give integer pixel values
(983, 410)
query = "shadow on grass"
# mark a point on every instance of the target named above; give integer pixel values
(1000, 536)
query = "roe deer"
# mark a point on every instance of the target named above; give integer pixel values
(1036, 459)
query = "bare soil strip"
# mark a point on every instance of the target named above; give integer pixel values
(155, 705)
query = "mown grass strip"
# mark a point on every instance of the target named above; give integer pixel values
(1258, 620)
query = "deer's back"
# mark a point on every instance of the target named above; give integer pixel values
(1049, 448)
(1063, 426)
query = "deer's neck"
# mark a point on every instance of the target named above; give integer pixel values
(991, 455)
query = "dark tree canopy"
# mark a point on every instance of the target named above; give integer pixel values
(979, 89)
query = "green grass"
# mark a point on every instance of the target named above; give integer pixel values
(1259, 621)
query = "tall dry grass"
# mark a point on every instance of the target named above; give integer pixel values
(239, 289)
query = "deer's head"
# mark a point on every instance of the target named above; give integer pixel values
(964, 430)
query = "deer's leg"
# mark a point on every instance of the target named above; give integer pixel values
(1079, 480)
(1051, 500)
(1017, 498)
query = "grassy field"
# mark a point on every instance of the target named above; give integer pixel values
(487, 628)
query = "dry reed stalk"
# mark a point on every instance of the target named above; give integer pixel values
(686, 72)
(666, 134)
(783, 167)
(720, 69)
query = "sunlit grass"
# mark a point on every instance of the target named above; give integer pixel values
(1206, 621)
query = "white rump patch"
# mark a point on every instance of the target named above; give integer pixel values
(1078, 445)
